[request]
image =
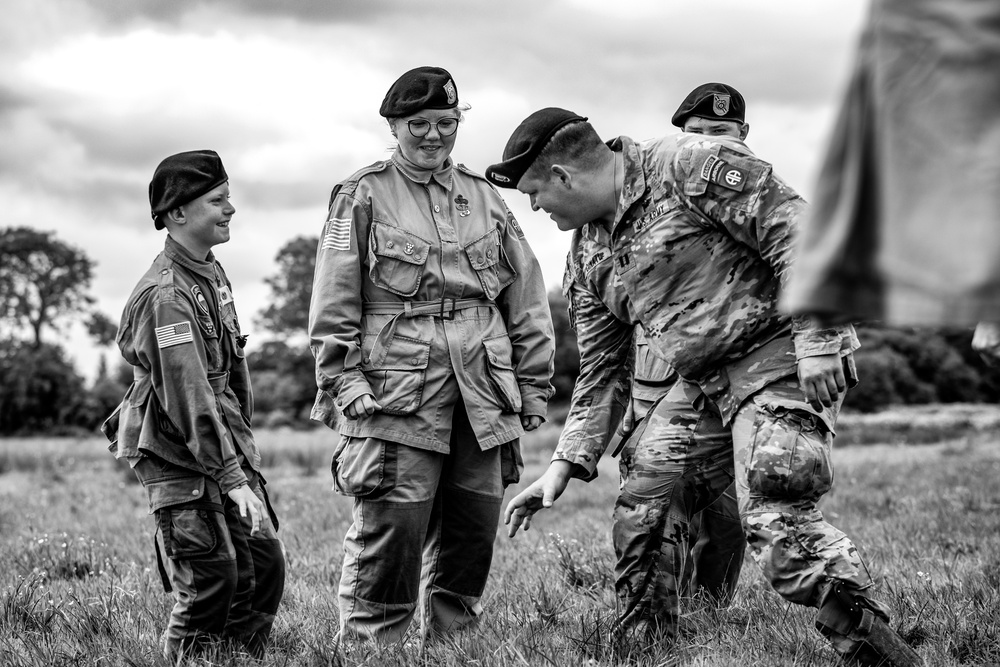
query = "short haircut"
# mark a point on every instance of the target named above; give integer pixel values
(576, 144)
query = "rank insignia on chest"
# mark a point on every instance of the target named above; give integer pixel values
(720, 172)
(225, 295)
(462, 204)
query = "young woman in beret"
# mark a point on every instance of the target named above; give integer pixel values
(433, 341)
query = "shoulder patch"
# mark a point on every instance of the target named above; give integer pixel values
(337, 234)
(174, 334)
(512, 223)
(718, 171)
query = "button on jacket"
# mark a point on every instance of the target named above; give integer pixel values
(191, 402)
(395, 240)
(701, 245)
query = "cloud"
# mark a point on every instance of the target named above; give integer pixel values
(94, 93)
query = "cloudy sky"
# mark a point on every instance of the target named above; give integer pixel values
(93, 93)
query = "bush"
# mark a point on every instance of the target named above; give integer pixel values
(39, 388)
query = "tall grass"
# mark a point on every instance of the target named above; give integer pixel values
(78, 581)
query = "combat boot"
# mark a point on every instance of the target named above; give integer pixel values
(859, 631)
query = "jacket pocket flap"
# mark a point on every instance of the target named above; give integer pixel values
(399, 244)
(406, 354)
(484, 251)
(498, 352)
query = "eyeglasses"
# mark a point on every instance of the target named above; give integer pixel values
(419, 127)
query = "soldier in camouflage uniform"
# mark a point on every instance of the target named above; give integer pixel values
(701, 236)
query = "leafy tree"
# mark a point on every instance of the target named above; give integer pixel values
(291, 288)
(43, 282)
(283, 379)
(39, 389)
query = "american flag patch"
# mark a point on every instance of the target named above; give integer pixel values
(173, 334)
(338, 234)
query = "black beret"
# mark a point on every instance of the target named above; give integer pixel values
(182, 178)
(420, 88)
(711, 100)
(526, 143)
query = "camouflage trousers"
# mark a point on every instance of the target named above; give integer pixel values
(682, 459)
(715, 534)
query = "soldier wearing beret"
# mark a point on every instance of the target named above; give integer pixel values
(715, 535)
(713, 109)
(184, 424)
(432, 336)
(700, 233)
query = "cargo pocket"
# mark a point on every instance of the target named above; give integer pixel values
(189, 533)
(500, 373)
(486, 256)
(398, 382)
(127, 424)
(397, 259)
(364, 467)
(790, 454)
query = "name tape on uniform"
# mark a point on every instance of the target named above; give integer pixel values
(718, 171)
(338, 234)
(173, 334)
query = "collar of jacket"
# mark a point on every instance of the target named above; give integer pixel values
(179, 254)
(423, 176)
(634, 181)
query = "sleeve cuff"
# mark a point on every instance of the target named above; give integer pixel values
(534, 401)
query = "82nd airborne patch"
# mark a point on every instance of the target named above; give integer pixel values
(718, 171)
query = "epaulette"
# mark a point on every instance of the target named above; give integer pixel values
(350, 185)
(465, 170)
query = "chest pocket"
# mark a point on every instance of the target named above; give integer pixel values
(232, 325)
(490, 263)
(397, 258)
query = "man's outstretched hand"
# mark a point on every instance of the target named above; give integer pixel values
(540, 494)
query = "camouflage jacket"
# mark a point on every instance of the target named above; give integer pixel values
(398, 238)
(701, 247)
(190, 403)
(600, 314)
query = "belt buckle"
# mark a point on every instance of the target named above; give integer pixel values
(451, 313)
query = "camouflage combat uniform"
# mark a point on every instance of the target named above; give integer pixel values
(427, 297)
(184, 427)
(702, 243)
(715, 534)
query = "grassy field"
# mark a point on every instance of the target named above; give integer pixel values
(79, 584)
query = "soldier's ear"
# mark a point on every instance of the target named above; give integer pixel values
(744, 130)
(562, 174)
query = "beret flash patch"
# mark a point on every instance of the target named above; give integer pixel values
(720, 104)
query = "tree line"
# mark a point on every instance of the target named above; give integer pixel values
(45, 287)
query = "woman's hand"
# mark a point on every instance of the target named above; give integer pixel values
(363, 405)
(530, 422)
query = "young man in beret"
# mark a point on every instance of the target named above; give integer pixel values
(715, 110)
(701, 236)
(184, 425)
